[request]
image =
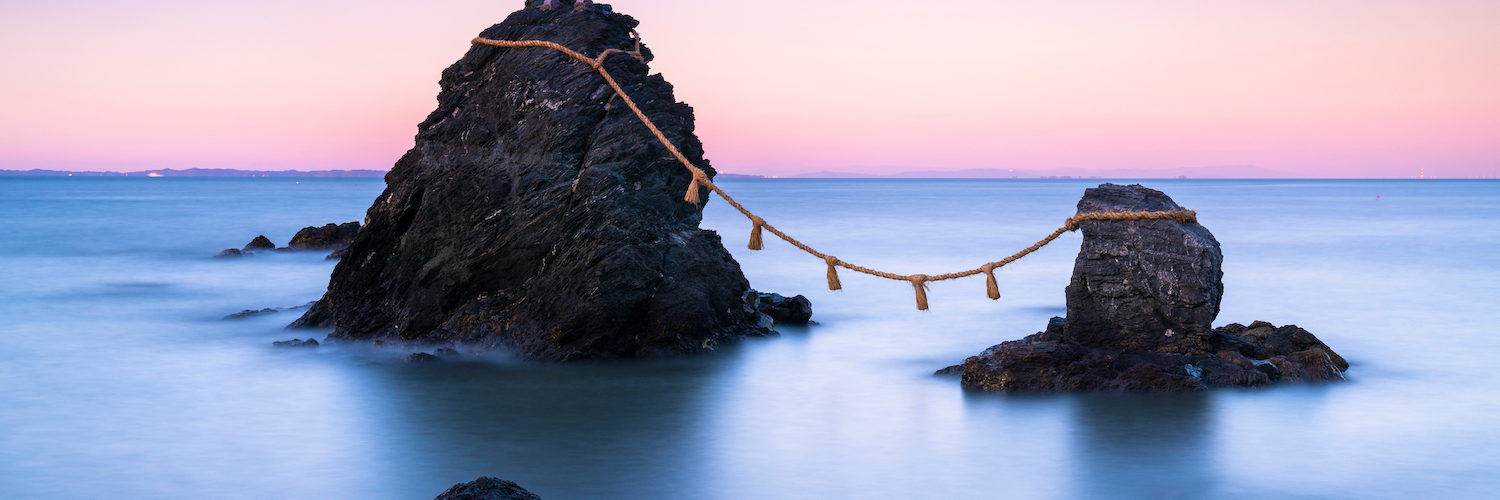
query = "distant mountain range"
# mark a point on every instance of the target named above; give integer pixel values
(1220, 172)
(197, 172)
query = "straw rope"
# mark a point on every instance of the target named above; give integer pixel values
(700, 181)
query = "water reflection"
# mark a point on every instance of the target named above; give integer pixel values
(563, 431)
(1142, 446)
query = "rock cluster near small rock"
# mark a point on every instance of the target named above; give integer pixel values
(1140, 308)
(334, 237)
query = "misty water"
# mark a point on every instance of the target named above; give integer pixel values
(119, 376)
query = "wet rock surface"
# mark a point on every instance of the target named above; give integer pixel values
(782, 309)
(535, 213)
(487, 488)
(1140, 306)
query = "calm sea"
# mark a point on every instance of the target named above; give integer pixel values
(120, 379)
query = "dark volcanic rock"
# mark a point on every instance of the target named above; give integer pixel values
(1149, 285)
(487, 488)
(327, 237)
(260, 243)
(1140, 306)
(296, 343)
(781, 309)
(230, 253)
(536, 213)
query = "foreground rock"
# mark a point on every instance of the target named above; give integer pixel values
(487, 488)
(1139, 311)
(536, 213)
(782, 310)
(296, 343)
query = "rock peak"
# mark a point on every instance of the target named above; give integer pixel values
(536, 213)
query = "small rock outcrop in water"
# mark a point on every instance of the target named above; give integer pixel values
(327, 237)
(781, 309)
(536, 213)
(1140, 309)
(259, 243)
(335, 237)
(487, 488)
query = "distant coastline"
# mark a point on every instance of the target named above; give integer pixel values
(196, 172)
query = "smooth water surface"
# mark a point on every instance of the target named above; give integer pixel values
(119, 377)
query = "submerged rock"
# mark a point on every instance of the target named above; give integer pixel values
(781, 309)
(230, 253)
(487, 488)
(422, 357)
(252, 312)
(536, 213)
(1139, 309)
(296, 343)
(327, 237)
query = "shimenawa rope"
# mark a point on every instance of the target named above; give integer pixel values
(758, 224)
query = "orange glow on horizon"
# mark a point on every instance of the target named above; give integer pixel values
(1327, 89)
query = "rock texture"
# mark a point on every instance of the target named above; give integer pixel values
(536, 213)
(1140, 307)
(487, 488)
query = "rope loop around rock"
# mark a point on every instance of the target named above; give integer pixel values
(700, 180)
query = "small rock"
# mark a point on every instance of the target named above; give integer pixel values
(251, 312)
(421, 357)
(328, 237)
(446, 352)
(487, 488)
(260, 243)
(781, 309)
(229, 253)
(296, 343)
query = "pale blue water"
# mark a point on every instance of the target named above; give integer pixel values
(118, 379)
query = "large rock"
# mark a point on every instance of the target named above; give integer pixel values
(487, 488)
(1140, 307)
(1149, 284)
(536, 213)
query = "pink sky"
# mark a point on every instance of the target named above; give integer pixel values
(1328, 89)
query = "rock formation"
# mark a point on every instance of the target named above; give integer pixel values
(487, 488)
(259, 243)
(536, 213)
(1140, 309)
(781, 309)
(328, 237)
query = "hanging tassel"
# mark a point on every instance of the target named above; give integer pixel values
(919, 281)
(756, 222)
(693, 188)
(833, 272)
(990, 286)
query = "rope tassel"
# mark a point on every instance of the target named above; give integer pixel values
(919, 282)
(756, 223)
(833, 272)
(694, 187)
(991, 288)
